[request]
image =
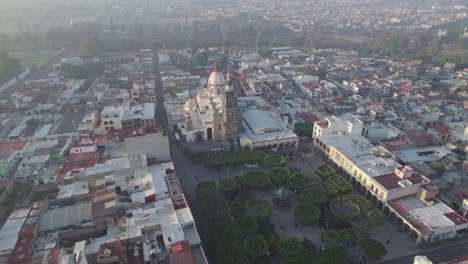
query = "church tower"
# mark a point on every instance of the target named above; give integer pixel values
(230, 123)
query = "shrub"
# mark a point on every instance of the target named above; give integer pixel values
(256, 246)
(313, 195)
(228, 187)
(290, 247)
(213, 161)
(329, 189)
(343, 209)
(237, 209)
(374, 215)
(250, 156)
(331, 237)
(222, 232)
(341, 184)
(309, 246)
(372, 248)
(307, 213)
(325, 171)
(274, 160)
(231, 253)
(279, 175)
(247, 225)
(298, 181)
(259, 208)
(257, 180)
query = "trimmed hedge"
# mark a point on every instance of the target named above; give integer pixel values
(274, 160)
(257, 180)
(329, 189)
(256, 246)
(247, 225)
(259, 208)
(368, 209)
(298, 181)
(279, 175)
(343, 186)
(343, 209)
(331, 237)
(307, 213)
(325, 171)
(237, 209)
(372, 248)
(314, 195)
(228, 187)
(290, 247)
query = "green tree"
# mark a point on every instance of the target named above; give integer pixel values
(259, 208)
(313, 195)
(279, 175)
(373, 249)
(298, 181)
(9, 68)
(257, 180)
(256, 246)
(307, 213)
(290, 247)
(247, 225)
(228, 187)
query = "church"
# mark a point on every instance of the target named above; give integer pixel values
(212, 114)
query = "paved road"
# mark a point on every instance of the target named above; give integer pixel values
(437, 254)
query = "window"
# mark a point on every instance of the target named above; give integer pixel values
(106, 123)
(111, 122)
(116, 116)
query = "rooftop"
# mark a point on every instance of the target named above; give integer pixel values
(66, 216)
(7, 147)
(427, 217)
(11, 229)
(260, 121)
(392, 181)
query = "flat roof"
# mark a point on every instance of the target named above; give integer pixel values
(66, 216)
(11, 229)
(260, 121)
(427, 218)
(70, 190)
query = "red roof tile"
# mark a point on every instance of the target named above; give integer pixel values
(308, 117)
(181, 253)
(12, 146)
(441, 129)
(390, 181)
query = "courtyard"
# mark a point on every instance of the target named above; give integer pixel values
(283, 222)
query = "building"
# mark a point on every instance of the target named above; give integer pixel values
(11, 154)
(126, 115)
(394, 186)
(212, 115)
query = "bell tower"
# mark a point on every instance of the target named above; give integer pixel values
(230, 124)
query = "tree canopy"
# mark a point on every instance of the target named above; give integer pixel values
(9, 67)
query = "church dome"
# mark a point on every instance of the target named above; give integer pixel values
(216, 83)
(216, 79)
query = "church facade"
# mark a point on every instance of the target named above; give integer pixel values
(212, 114)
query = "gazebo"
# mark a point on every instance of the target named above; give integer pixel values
(281, 198)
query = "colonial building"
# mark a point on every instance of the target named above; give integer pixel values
(212, 113)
